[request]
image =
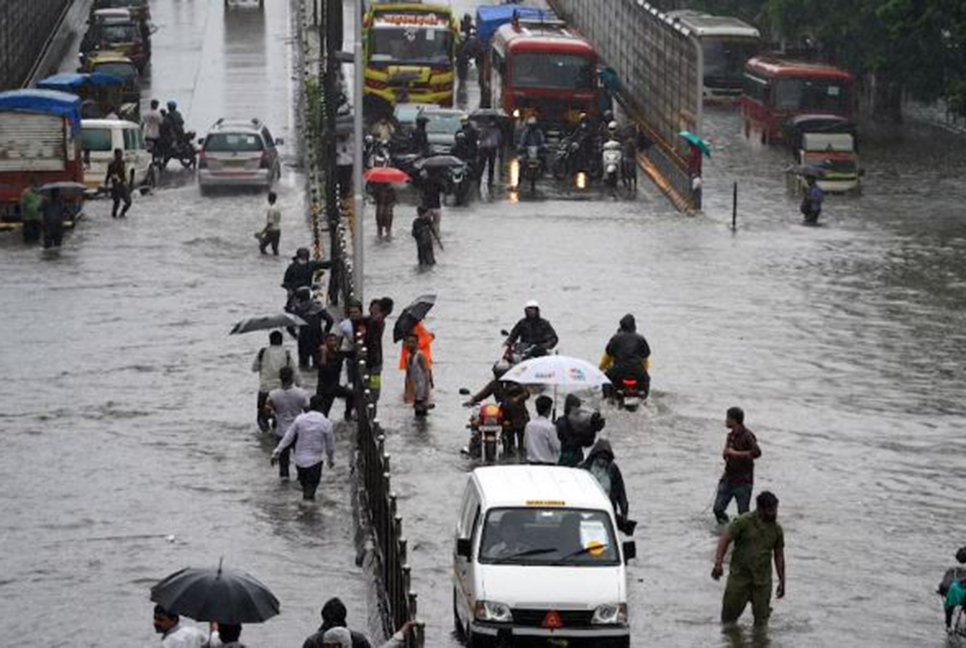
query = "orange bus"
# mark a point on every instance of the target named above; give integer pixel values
(776, 90)
(541, 69)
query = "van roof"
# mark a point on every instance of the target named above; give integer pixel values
(539, 486)
(108, 123)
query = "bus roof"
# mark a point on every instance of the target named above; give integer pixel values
(705, 24)
(542, 486)
(537, 37)
(772, 66)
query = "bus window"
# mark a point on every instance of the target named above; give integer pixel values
(558, 71)
(801, 94)
(757, 89)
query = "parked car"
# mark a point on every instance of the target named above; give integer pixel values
(100, 138)
(239, 153)
(538, 558)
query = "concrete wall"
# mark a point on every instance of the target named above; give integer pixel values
(25, 28)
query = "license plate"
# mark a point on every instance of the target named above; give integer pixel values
(236, 163)
(560, 643)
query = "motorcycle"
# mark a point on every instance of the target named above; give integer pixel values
(531, 167)
(611, 158)
(182, 150)
(486, 432)
(457, 183)
(629, 394)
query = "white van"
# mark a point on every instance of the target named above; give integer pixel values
(99, 139)
(538, 557)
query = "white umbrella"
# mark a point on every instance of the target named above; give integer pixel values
(557, 370)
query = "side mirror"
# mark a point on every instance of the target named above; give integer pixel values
(464, 391)
(464, 548)
(630, 550)
(279, 141)
(504, 333)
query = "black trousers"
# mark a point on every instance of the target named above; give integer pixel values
(309, 478)
(262, 416)
(271, 237)
(31, 231)
(330, 392)
(284, 460)
(53, 236)
(120, 193)
(425, 254)
(488, 162)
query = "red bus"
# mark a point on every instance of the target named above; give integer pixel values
(777, 90)
(541, 69)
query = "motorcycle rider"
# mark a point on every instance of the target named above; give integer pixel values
(583, 145)
(177, 121)
(472, 145)
(512, 398)
(532, 331)
(419, 139)
(627, 356)
(532, 136)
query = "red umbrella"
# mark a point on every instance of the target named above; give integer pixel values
(385, 175)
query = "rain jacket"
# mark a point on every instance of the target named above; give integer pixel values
(425, 340)
(627, 348)
(533, 331)
(300, 274)
(576, 431)
(600, 463)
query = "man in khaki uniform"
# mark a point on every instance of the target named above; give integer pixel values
(757, 537)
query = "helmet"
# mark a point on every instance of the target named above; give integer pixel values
(608, 115)
(584, 118)
(612, 126)
(302, 253)
(464, 118)
(533, 303)
(500, 367)
(531, 121)
(460, 136)
(172, 104)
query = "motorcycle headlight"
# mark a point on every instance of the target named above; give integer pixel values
(610, 614)
(493, 611)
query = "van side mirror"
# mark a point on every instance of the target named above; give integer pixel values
(504, 333)
(630, 550)
(464, 391)
(464, 548)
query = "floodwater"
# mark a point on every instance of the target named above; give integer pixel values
(128, 411)
(130, 449)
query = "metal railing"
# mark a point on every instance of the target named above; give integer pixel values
(25, 28)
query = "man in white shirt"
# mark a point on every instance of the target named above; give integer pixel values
(151, 125)
(272, 232)
(540, 435)
(286, 403)
(268, 363)
(174, 634)
(314, 439)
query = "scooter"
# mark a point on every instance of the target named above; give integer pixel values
(611, 158)
(459, 184)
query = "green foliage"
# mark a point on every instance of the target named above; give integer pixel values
(313, 106)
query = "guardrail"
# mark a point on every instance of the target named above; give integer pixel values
(25, 29)
(327, 213)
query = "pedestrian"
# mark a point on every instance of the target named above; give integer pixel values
(116, 181)
(491, 139)
(343, 165)
(600, 462)
(151, 126)
(373, 327)
(757, 536)
(331, 359)
(173, 633)
(425, 346)
(419, 378)
(385, 203)
(346, 329)
(334, 616)
(226, 636)
(272, 231)
(423, 233)
(301, 272)
(31, 201)
(431, 198)
(284, 405)
(318, 322)
(53, 220)
(953, 588)
(540, 435)
(812, 202)
(577, 429)
(314, 441)
(268, 364)
(740, 451)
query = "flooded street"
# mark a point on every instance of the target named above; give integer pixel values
(128, 424)
(129, 412)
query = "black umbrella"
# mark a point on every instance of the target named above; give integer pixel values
(375, 108)
(440, 162)
(411, 315)
(282, 320)
(223, 595)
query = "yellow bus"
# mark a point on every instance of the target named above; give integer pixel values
(410, 53)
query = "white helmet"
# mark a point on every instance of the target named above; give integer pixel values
(532, 120)
(533, 303)
(612, 126)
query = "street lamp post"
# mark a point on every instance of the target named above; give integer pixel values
(358, 69)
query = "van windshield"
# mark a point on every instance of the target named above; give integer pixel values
(548, 536)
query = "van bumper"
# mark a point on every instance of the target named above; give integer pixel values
(601, 632)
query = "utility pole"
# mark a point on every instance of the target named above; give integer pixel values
(358, 67)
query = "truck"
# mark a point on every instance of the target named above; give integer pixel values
(40, 143)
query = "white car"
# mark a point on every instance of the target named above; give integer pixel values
(100, 138)
(538, 558)
(239, 153)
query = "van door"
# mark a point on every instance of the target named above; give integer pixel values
(466, 528)
(136, 155)
(97, 144)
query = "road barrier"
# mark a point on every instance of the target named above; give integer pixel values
(25, 29)
(660, 67)
(328, 214)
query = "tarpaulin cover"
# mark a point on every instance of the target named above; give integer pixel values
(70, 81)
(491, 18)
(48, 102)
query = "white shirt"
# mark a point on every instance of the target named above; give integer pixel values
(184, 636)
(273, 219)
(344, 330)
(542, 443)
(269, 362)
(151, 124)
(287, 405)
(314, 438)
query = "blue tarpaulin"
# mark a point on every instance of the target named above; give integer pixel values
(71, 81)
(47, 102)
(490, 18)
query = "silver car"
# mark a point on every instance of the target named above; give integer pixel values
(239, 153)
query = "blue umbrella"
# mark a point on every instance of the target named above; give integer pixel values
(694, 140)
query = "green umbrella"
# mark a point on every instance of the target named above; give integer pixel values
(693, 139)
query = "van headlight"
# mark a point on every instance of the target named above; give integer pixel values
(493, 611)
(610, 614)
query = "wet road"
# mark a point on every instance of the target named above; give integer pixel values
(843, 343)
(128, 411)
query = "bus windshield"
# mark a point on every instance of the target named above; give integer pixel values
(548, 536)
(826, 95)
(725, 58)
(407, 45)
(554, 71)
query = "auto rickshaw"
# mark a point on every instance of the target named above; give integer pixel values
(100, 94)
(140, 9)
(117, 30)
(118, 65)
